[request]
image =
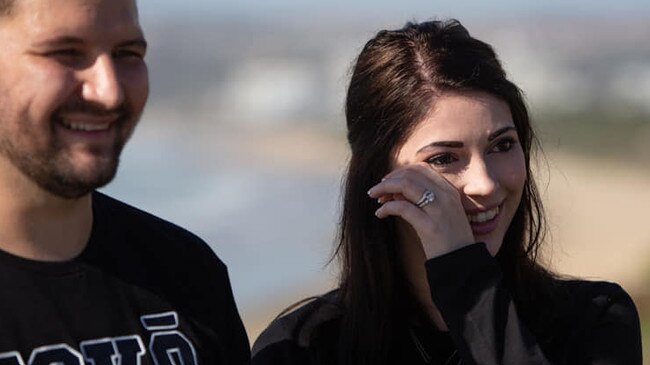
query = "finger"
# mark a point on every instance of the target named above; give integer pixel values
(421, 170)
(404, 209)
(385, 198)
(388, 197)
(438, 235)
(406, 188)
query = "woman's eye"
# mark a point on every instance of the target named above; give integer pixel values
(504, 145)
(441, 159)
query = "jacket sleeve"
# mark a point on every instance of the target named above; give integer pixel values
(277, 344)
(612, 334)
(468, 288)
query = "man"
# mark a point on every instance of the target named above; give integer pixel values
(85, 279)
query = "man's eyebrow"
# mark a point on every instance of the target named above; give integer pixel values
(60, 41)
(75, 41)
(136, 42)
(500, 131)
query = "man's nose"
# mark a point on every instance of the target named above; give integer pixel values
(101, 83)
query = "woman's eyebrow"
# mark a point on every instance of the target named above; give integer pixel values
(449, 144)
(499, 132)
(458, 144)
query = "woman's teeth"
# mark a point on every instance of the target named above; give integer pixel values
(483, 216)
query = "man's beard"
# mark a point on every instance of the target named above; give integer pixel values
(52, 169)
(57, 175)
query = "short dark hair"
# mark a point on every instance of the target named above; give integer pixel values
(396, 78)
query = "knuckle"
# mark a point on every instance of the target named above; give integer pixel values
(398, 207)
(401, 207)
(411, 183)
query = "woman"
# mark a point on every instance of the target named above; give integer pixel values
(441, 225)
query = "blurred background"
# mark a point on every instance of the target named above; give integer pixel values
(243, 139)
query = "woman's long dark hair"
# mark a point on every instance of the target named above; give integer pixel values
(396, 78)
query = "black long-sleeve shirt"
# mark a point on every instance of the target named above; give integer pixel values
(595, 322)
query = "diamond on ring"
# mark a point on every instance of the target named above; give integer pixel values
(427, 197)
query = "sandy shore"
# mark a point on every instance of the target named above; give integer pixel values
(598, 220)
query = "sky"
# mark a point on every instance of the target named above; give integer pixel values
(346, 10)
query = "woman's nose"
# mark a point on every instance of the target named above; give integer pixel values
(479, 180)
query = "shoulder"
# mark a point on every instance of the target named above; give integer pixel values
(151, 256)
(597, 295)
(149, 231)
(292, 332)
(597, 292)
(596, 302)
(130, 218)
(603, 323)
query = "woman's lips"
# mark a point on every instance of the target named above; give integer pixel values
(484, 222)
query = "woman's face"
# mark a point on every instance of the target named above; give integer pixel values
(471, 140)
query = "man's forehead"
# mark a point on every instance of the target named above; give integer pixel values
(44, 18)
(43, 10)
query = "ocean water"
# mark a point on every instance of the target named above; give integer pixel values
(273, 228)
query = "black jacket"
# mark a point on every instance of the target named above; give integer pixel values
(594, 322)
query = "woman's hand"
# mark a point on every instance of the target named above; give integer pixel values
(442, 224)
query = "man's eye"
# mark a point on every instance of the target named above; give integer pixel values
(69, 57)
(67, 52)
(441, 159)
(128, 53)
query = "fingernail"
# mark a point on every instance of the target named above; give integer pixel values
(378, 213)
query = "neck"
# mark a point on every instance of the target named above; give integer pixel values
(36, 225)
